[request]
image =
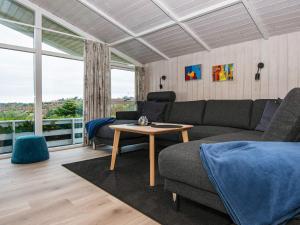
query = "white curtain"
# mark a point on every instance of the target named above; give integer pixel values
(140, 83)
(97, 86)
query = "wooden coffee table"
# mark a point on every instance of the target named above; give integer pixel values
(147, 130)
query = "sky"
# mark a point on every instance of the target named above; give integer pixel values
(62, 78)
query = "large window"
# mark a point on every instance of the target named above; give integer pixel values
(16, 74)
(62, 101)
(16, 97)
(122, 90)
(41, 79)
(62, 86)
(61, 75)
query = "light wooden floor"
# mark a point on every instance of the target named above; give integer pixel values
(47, 193)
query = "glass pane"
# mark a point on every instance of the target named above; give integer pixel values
(14, 34)
(122, 90)
(50, 24)
(14, 11)
(16, 97)
(62, 101)
(60, 43)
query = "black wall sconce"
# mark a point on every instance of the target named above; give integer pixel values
(163, 77)
(259, 67)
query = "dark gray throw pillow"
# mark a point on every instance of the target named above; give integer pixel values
(285, 124)
(269, 111)
(140, 105)
(154, 111)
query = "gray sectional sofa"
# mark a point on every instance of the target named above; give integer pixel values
(210, 118)
(182, 168)
(214, 121)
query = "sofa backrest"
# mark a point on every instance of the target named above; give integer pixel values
(230, 113)
(190, 112)
(161, 96)
(285, 124)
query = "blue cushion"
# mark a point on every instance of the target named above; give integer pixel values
(30, 149)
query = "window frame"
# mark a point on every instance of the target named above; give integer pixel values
(38, 53)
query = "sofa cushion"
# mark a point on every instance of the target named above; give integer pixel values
(199, 132)
(182, 163)
(228, 113)
(285, 124)
(107, 133)
(269, 111)
(154, 111)
(190, 112)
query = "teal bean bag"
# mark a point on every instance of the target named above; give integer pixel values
(30, 149)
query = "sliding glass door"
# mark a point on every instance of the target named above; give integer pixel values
(62, 101)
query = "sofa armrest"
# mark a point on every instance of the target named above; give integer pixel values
(127, 115)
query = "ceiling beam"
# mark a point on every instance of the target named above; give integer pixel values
(199, 13)
(120, 26)
(256, 19)
(126, 57)
(149, 31)
(185, 27)
(75, 29)
(209, 9)
(152, 48)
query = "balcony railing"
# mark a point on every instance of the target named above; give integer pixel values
(58, 132)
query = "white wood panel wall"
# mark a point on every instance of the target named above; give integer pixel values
(281, 55)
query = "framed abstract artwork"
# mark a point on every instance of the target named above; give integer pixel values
(193, 72)
(223, 72)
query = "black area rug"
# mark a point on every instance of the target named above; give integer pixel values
(129, 183)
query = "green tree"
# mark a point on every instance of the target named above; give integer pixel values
(71, 108)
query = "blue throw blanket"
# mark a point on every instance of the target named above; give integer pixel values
(93, 125)
(258, 182)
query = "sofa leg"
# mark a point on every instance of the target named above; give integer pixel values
(176, 201)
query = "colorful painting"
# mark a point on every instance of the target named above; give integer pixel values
(193, 72)
(223, 72)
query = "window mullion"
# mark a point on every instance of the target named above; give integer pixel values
(38, 74)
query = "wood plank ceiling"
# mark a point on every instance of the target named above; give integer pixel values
(151, 30)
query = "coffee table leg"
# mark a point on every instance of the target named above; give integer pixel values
(152, 160)
(115, 149)
(185, 136)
